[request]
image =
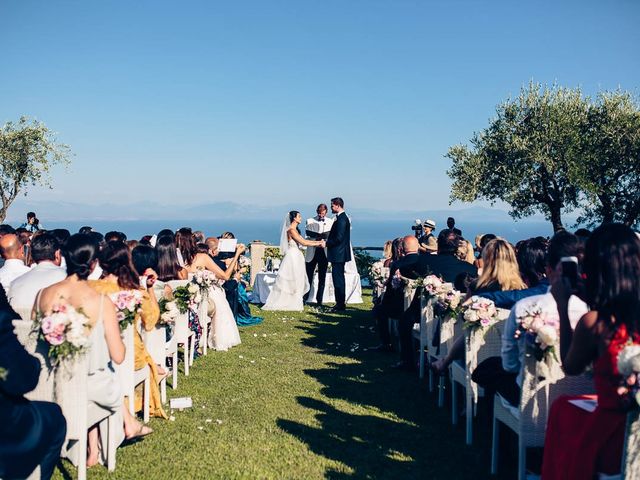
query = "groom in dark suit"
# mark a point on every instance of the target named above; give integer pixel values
(339, 251)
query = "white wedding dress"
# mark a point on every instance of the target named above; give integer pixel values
(291, 282)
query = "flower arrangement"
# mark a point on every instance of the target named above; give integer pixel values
(540, 330)
(204, 280)
(629, 369)
(273, 252)
(3, 374)
(64, 329)
(185, 297)
(127, 303)
(479, 313)
(447, 298)
(244, 267)
(378, 274)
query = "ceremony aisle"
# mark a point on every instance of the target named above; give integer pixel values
(301, 398)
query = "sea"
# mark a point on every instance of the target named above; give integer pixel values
(364, 233)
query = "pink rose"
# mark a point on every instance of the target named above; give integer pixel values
(47, 325)
(120, 316)
(54, 339)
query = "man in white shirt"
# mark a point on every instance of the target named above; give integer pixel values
(13, 254)
(318, 228)
(563, 244)
(45, 251)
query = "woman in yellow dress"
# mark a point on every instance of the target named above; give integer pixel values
(119, 274)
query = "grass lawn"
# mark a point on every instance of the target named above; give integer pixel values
(302, 398)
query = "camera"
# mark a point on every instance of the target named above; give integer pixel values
(417, 228)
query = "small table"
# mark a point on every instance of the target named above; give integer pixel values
(265, 281)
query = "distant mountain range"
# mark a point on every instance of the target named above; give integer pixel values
(68, 211)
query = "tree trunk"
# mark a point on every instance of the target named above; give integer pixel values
(556, 218)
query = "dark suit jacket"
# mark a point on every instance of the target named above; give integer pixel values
(448, 267)
(339, 241)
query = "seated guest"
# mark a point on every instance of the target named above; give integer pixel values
(45, 251)
(224, 330)
(500, 272)
(168, 266)
(106, 345)
(391, 304)
(13, 255)
(198, 236)
(578, 443)
(31, 433)
(446, 265)
(118, 274)
(242, 312)
(484, 240)
(506, 378)
(115, 236)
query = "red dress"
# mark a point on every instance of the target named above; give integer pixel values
(579, 444)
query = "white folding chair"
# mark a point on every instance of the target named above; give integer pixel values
(420, 331)
(438, 349)
(66, 385)
(542, 383)
(480, 345)
(204, 320)
(130, 378)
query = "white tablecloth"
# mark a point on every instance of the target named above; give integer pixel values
(265, 280)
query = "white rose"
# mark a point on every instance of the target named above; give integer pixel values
(547, 335)
(471, 315)
(193, 288)
(629, 360)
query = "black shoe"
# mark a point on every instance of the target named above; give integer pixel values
(338, 308)
(382, 348)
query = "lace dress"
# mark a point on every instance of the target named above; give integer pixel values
(579, 444)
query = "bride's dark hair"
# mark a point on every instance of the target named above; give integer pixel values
(292, 215)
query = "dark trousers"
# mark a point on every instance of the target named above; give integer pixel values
(490, 375)
(320, 260)
(382, 324)
(410, 317)
(231, 292)
(41, 447)
(339, 283)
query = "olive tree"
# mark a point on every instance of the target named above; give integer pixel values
(28, 151)
(526, 154)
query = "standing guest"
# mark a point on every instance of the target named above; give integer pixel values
(579, 443)
(339, 251)
(13, 255)
(32, 224)
(31, 433)
(451, 227)
(318, 228)
(45, 251)
(428, 242)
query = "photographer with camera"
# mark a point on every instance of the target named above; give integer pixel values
(428, 241)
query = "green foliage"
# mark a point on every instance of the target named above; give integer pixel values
(182, 296)
(609, 173)
(3, 374)
(28, 151)
(525, 154)
(364, 261)
(272, 252)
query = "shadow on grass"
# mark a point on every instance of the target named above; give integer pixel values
(400, 433)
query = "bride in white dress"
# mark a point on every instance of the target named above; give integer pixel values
(291, 283)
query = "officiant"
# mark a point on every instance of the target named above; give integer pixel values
(318, 228)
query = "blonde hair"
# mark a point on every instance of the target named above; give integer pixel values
(500, 266)
(387, 252)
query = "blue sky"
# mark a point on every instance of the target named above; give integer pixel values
(277, 101)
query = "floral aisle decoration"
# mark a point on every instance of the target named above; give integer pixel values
(244, 268)
(446, 298)
(541, 331)
(184, 298)
(65, 330)
(378, 274)
(629, 369)
(479, 313)
(128, 305)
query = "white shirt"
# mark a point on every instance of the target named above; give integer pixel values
(24, 289)
(11, 270)
(513, 349)
(316, 225)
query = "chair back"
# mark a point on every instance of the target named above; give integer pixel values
(44, 389)
(24, 312)
(426, 319)
(630, 467)
(409, 293)
(125, 370)
(481, 344)
(542, 382)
